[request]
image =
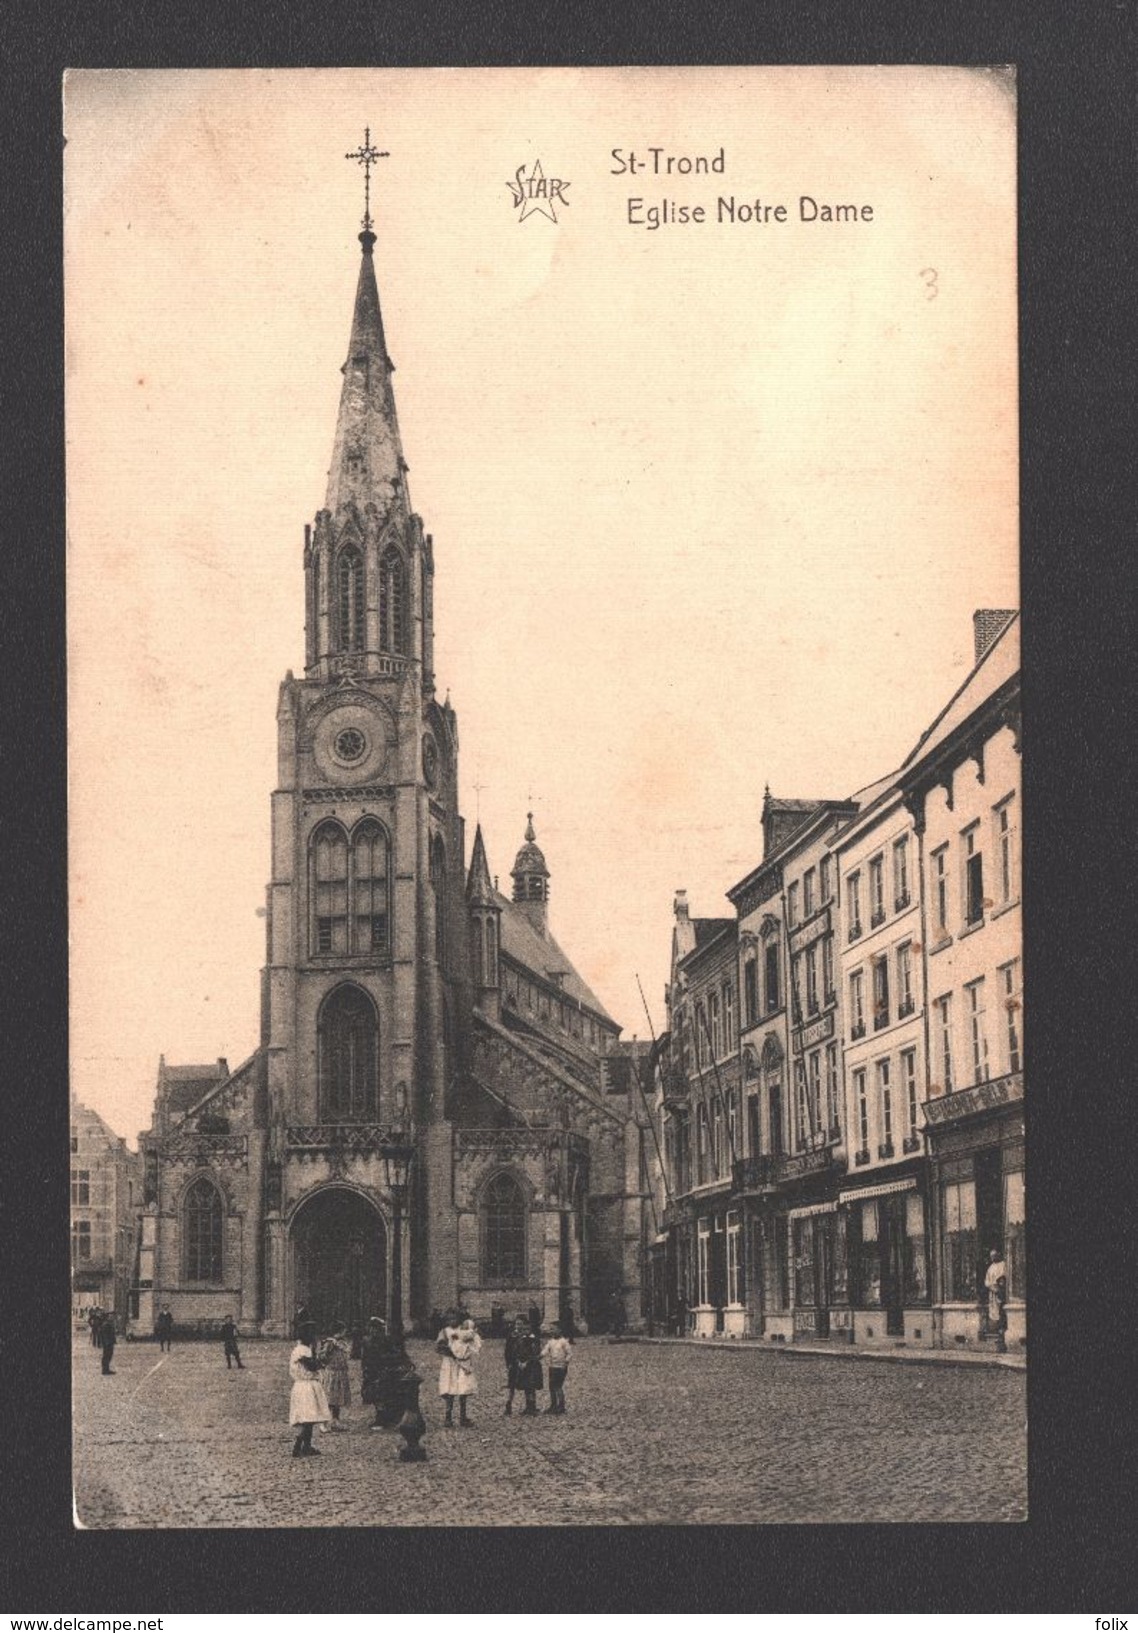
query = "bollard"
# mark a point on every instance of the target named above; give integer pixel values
(412, 1425)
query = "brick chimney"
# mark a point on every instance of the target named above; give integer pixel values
(988, 624)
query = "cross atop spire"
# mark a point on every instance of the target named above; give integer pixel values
(367, 155)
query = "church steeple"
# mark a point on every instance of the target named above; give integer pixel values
(485, 929)
(367, 456)
(368, 565)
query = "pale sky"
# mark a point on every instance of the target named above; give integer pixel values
(712, 504)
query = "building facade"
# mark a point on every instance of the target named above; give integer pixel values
(106, 1198)
(410, 1012)
(873, 1105)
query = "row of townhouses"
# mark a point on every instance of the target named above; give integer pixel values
(838, 1095)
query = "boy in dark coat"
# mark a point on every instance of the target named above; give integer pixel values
(523, 1367)
(229, 1338)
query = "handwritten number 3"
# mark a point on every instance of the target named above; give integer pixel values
(928, 273)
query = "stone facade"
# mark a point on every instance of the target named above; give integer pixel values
(106, 1191)
(409, 1010)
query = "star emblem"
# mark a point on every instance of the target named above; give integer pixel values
(536, 194)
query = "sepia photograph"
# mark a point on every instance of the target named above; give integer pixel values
(545, 818)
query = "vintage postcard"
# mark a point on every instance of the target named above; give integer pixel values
(545, 768)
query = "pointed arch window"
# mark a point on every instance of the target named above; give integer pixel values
(350, 889)
(369, 870)
(202, 1217)
(392, 602)
(503, 1231)
(347, 1047)
(438, 887)
(350, 600)
(329, 889)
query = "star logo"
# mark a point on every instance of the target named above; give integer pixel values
(537, 193)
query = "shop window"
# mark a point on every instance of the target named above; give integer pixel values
(776, 1263)
(916, 1270)
(803, 1233)
(1015, 1234)
(202, 1219)
(869, 1257)
(958, 1204)
(503, 1231)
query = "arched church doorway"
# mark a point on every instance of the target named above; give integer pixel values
(339, 1244)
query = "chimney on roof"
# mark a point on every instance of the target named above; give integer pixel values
(988, 624)
(680, 906)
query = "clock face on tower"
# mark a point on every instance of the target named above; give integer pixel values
(349, 744)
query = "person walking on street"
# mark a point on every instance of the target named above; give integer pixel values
(94, 1319)
(556, 1356)
(229, 1337)
(996, 1285)
(164, 1327)
(458, 1345)
(107, 1337)
(337, 1380)
(523, 1366)
(308, 1404)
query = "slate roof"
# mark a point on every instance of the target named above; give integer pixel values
(185, 1085)
(542, 955)
(1000, 663)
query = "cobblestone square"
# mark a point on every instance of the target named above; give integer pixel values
(654, 1434)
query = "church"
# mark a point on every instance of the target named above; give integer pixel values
(440, 1111)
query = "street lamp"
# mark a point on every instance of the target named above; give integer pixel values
(397, 1158)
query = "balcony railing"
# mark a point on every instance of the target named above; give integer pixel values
(901, 902)
(876, 917)
(753, 1173)
(880, 1019)
(861, 1158)
(906, 1008)
(885, 1149)
(854, 930)
(857, 1030)
(911, 1142)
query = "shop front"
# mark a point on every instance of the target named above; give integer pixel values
(977, 1157)
(887, 1237)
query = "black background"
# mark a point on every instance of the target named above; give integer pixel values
(1076, 83)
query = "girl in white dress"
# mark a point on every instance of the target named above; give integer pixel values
(308, 1404)
(458, 1345)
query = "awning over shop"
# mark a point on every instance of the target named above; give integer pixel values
(815, 1207)
(866, 1191)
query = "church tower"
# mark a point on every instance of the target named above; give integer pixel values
(531, 880)
(364, 998)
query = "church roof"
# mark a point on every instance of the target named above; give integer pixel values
(185, 1085)
(367, 456)
(542, 955)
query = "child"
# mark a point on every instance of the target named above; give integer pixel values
(556, 1354)
(458, 1347)
(523, 1366)
(308, 1404)
(337, 1381)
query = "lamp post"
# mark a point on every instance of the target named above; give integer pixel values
(398, 1156)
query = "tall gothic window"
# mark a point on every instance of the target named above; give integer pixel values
(503, 1231)
(350, 600)
(438, 886)
(329, 894)
(392, 602)
(203, 1223)
(349, 889)
(369, 888)
(348, 1057)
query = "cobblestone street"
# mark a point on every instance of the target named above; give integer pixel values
(664, 1434)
